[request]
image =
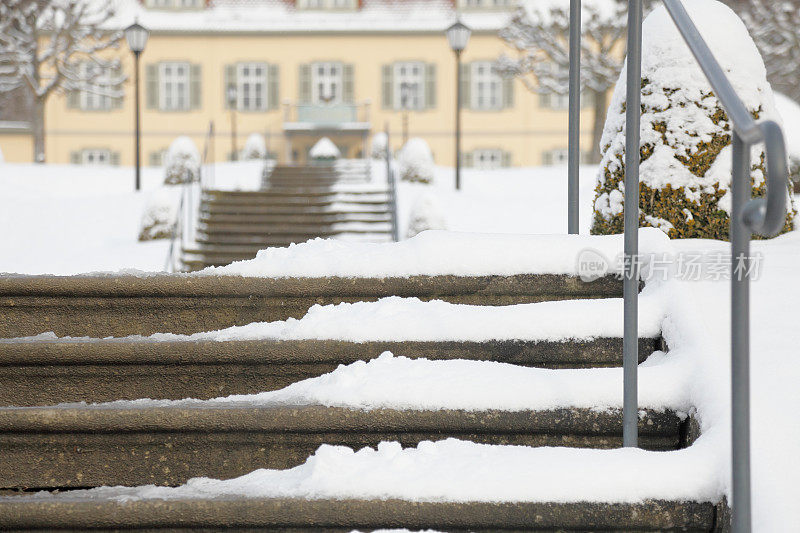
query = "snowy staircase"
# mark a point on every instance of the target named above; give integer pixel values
(77, 446)
(296, 205)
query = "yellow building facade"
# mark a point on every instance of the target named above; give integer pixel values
(321, 77)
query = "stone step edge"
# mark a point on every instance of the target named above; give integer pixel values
(193, 286)
(126, 351)
(73, 512)
(203, 417)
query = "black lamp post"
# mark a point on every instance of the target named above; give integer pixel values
(137, 35)
(458, 37)
(232, 104)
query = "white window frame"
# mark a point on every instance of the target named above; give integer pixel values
(95, 156)
(484, 78)
(413, 73)
(174, 4)
(484, 4)
(252, 86)
(327, 77)
(174, 90)
(91, 98)
(487, 159)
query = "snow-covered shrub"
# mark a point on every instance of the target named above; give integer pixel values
(324, 151)
(255, 147)
(685, 170)
(378, 146)
(160, 213)
(416, 161)
(426, 213)
(181, 162)
(789, 112)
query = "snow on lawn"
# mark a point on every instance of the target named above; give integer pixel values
(70, 219)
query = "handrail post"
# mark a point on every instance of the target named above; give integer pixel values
(630, 350)
(740, 337)
(573, 159)
(390, 181)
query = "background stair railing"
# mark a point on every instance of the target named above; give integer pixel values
(184, 227)
(391, 183)
(764, 217)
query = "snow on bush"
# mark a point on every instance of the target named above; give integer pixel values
(160, 214)
(685, 148)
(426, 213)
(378, 146)
(324, 150)
(182, 162)
(789, 112)
(255, 147)
(416, 161)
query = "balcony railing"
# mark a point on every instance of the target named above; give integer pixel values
(320, 116)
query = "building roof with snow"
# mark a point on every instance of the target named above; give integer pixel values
(282, 16)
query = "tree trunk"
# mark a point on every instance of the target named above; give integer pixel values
(38, 130)
(600, 110)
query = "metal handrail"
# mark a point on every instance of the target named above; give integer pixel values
(765, 217)
(392, 183)
(182, 227)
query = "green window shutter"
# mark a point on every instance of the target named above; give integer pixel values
(547, 158)
(466, 85)
(151, 82)
(587, 98)
(348, 82)
(304, 84)
(195, 86)
(273, 95)
(545, 100)
(73, 99)
(229, 79)
(430, 86)
(469, 159)
(75, 158)
(116, 103)
(506, 160)
(508, 92)
(114, 160)
(387, 81)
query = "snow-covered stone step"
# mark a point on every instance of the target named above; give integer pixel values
(348, 189)
(106, 510)
(214, 208)
(48, 372)
(298, 199)
(289, 228)
(138, 443)
(320, 218)
(120, 305)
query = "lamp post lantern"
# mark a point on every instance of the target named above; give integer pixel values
(137, 35)
(458, 36)
(231, 94)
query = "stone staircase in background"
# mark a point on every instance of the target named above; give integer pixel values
(296, 203)
(75, 446)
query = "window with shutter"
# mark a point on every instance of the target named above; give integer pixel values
(273, 96)
(430, 86)
(387, 81)
(251, 86)
(304, 84)
(229, 81)
(409, 85)
(174, 80)
(466, 86)
(348, 82)
(196, 88)
(152, 85)
(487, 88)
(508, 92)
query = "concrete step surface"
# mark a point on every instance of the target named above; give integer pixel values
(140, 444)
(319, 218)
(283, 228)
(51, 372)
(102, 306)
(81, 511)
